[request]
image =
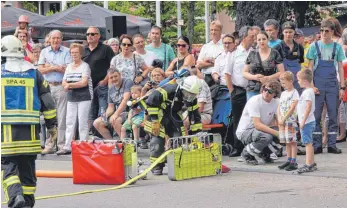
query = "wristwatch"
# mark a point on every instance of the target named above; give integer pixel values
(343, 88)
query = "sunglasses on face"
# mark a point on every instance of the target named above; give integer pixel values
(270, 91)
(181, 45)
(91, 34)
(126, 44)
(321, 30)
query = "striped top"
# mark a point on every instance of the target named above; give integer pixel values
(75, 75)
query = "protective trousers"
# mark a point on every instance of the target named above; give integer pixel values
(18, 178)
(171, 128)
(294, 67)
(326, 81)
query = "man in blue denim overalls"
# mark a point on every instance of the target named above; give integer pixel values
(291, 52)
(324, 56)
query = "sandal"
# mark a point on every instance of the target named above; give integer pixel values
(307, 168)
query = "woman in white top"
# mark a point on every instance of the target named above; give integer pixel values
(78, 84)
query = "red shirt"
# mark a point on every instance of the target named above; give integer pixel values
(25, 54)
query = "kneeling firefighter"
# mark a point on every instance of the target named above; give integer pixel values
(164, 107)
(24, 93)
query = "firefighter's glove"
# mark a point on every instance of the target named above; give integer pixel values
(155, 128)
(53, 133)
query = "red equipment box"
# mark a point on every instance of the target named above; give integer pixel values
(97, 163)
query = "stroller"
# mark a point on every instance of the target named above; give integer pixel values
(222, 115)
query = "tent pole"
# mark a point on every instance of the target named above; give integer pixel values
(39, 5)
(207, 22)
(106, 4)
(157, 13)
(179, 32)
(63, 5)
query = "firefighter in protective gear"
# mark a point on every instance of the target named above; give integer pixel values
(24, 93)
(164, 107)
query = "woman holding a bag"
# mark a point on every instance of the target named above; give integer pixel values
(262, 65)
(131, 65)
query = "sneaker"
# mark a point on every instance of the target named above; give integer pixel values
(240, 159)
(307, 168)
(47, 151)
(273, 156)
(284, 165)
(64, 152)
(291, 166)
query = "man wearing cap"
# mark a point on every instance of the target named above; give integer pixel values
(299, 37)
(291, 52)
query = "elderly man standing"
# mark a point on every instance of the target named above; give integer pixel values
(52, 65)
(210, 51)
(236, 83)
(99, 57)
(272, 28)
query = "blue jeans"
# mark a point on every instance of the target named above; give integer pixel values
(99, 101)
(251, 94)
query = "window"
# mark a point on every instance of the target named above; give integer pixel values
(55, 7)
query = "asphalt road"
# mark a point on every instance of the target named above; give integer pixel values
(246, 186)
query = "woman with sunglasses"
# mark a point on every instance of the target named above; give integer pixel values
(184, 58)
(131, 65)
(262, 65)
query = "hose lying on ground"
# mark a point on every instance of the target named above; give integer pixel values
(131, 181)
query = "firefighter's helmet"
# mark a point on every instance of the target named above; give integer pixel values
(11, 47)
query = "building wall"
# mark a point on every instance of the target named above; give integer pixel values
(227, 22)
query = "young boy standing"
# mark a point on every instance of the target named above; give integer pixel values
(305, 109)
(287, 121)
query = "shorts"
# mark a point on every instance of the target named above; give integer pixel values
(306, 133)
(123, 115)
(136, 120)
(288, 134)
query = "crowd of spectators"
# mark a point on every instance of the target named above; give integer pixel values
(92, 83)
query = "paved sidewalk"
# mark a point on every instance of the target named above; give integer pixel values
(329, 165)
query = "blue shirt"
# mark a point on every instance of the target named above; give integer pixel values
(326, 51)
(60, 57)
(160, 53)
(273, 43)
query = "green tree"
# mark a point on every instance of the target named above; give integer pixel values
(147, 9)
(30, 6)
(49, 13)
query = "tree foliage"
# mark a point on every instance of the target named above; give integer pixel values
(256, 13)
(30, 6)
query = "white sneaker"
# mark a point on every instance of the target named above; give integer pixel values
(240, 159)
(273, 156)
